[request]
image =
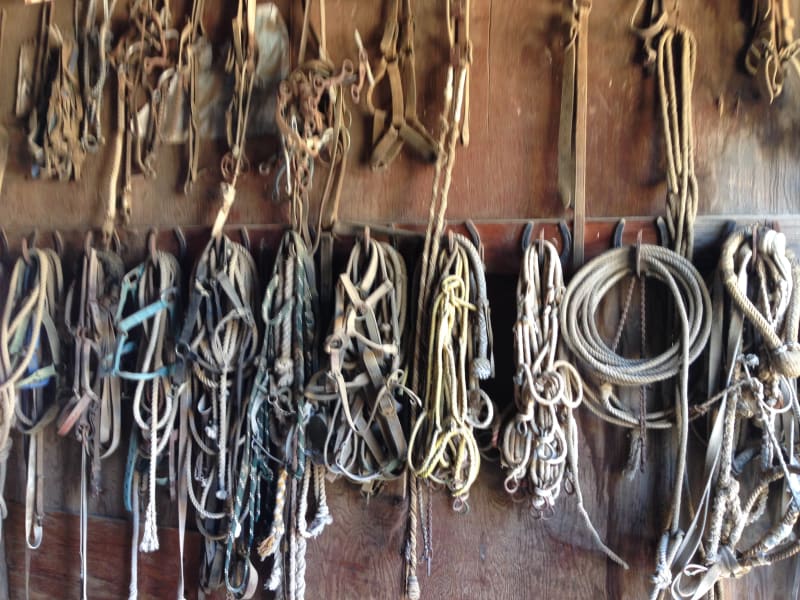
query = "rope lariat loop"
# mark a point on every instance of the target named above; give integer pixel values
(692, 304)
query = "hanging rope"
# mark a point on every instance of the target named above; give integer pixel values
(219, 342)
(581, 304)
(673, 50)
(279, 415)
(773, 50)
(744, 519)
(540, 441)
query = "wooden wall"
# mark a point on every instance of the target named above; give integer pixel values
(747, 153)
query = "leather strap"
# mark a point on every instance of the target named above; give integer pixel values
(572, 125)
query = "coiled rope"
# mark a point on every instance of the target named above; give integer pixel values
(773, 50)
(692, 304)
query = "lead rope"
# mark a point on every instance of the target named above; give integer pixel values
(773, 49)
(29, 355)
(219, 343)
(540, 443)
(279, 405)
(146, 325)
(93, 411)
(452, 118)
(581, 303)
(755, 428)
(361, 392)
(673, 49)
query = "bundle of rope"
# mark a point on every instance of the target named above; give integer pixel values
(582, 336)
(95, 44)
(30, 353)
(539, 445)
(673, 50)
(93, 411)
(242, 59)
(745, 520)
(146, 324)
(280, 414)
(453, 127)
(313, 122)
(54, 122)
(362, 391)
(773, 49)
(219, 343)
(399, 125)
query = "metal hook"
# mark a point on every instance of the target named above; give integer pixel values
(476, 237)
(619, 229)
(663, 234)
(25, 254)
(566, 241)
(58, 242)
(366, 238)
(526, 236)
(151, 244)
(87, 242)
(245, 236)
(181, 239)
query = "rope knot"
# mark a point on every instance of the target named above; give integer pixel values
(786, 359)
(481, 368)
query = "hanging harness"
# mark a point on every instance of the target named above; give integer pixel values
(219, 343)
(362, 391)
(393, 128)
(773, 50)
(146, 324)
(93, 412)
(744, 518)
(29, 355)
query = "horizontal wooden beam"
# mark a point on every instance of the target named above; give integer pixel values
(501, 240)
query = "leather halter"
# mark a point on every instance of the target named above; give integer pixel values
(30, 354)
(393, 128)
(93, 412)
(362, 390)
(218, 343)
